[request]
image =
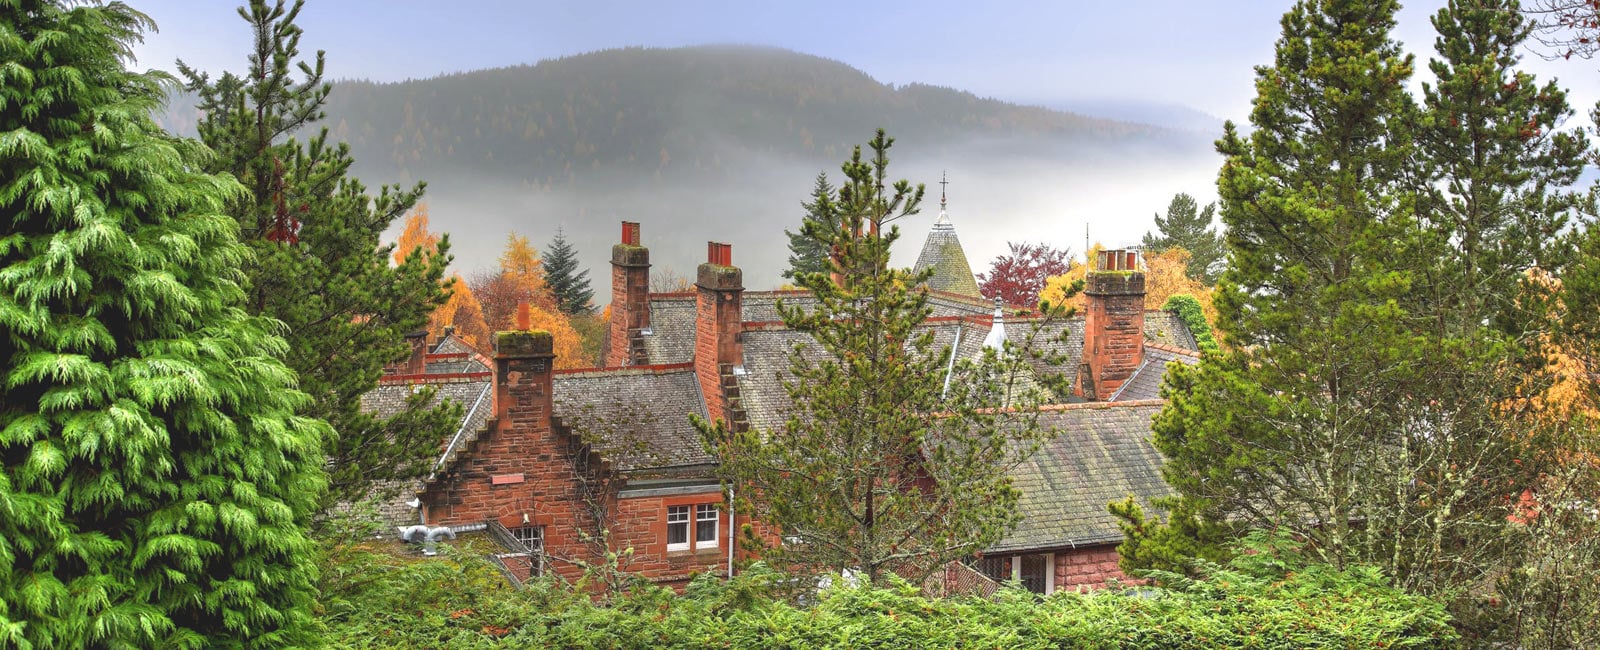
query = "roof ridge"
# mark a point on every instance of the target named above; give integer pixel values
(623, 371)
(1167, 347)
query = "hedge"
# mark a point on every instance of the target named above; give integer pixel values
(1259, 602)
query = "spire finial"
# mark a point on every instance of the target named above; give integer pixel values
(943, 222)
(944, 179)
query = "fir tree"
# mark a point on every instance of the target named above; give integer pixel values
(154, 476)
(1190, 228)
(320, 266)
(877, 468)
(567, 282)
(806, 253)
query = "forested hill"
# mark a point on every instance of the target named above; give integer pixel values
(727, 138)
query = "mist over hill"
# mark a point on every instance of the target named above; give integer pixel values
(723, 143)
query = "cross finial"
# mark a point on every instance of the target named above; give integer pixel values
(944, 179)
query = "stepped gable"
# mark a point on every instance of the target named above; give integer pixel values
(637, 417)
(1100, 454)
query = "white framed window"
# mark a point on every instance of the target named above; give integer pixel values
(705, 525)
(677, 528)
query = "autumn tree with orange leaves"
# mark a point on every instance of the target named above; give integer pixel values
(518, 279)
(1166, 274)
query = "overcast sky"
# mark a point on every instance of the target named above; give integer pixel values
(1198, 54)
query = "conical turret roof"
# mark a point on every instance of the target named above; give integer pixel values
(942, 253)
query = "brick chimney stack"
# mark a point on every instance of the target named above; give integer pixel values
(718, 347)
(630, 296)
(1113, 327)
(523, 361)
(417, 363)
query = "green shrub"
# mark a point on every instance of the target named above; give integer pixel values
(1265, 598)
(1189, 310)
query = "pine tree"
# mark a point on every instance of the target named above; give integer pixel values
(320, 266)
(155, 479)
(877, 469)
(1496, 165)
(1383, 334)
(1190, 228)
(806, 253)
(1276, 427)
(569, 283)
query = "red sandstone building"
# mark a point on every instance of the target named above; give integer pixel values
(559, 466)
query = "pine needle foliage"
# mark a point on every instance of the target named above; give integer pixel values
(155, 478)
(1382, 339)
(1191, 228)
(320, 265)
(879, 468)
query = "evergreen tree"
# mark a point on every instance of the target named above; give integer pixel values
(1190, 228)
(1310, 201)
(154, 477)
(1373, 395)
(877, 468)
(320, 266)
(569, 283)
(806, 253)
(1496, 167)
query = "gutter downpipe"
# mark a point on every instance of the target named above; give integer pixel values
(732, 541)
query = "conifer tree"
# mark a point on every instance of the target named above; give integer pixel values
(1373, 395)
(568, 283)
(320, 265)
(1310, 202)
(807, 254)
(1191, 229)
(877, 468)
(155, 479)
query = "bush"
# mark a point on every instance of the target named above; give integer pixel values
(1266, 598)
(1190, 311)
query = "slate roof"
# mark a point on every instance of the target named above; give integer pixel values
(1100, 454)
(1167, 328)
(1146, 380)
(671, 338)
(388, 399)
(455, 366)
(640, 415)
(942, 252)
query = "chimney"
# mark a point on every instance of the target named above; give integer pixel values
(523, 360)
(1113, 327)
(718, 326)
(630, 296)
(417, 364)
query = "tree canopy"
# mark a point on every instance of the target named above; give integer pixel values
(155, 477)
(1191, 229)
(319, 264)
(880, 467)
(1380, 345)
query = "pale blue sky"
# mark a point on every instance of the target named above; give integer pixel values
(1178, 51)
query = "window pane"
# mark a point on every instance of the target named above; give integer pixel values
(677, 527)
(1033, 568)
(996, 568)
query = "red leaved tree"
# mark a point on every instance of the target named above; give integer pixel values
(1018, 277)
